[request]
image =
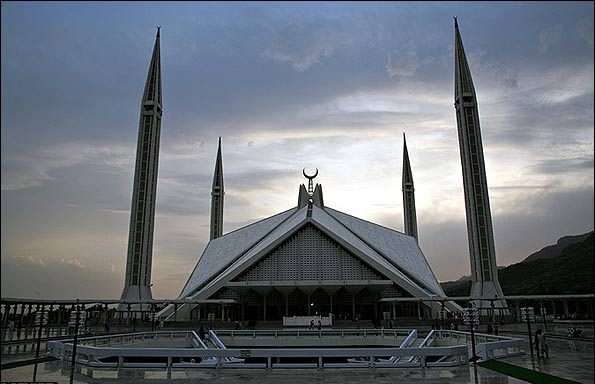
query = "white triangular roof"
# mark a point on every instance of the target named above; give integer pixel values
(397, 247)
(223, 250)
(390, 252)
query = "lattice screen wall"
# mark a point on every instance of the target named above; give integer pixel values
(310, 255)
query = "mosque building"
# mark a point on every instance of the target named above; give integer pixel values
(312, 259)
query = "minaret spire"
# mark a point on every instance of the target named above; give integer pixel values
(137, 284)
(409, 214)
(217, 195)
(484, 272)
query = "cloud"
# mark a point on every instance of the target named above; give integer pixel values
(303, 44)
(549, 37)
(22, 171)
(403, 64)
(287, 87)
(300, 60)
(584, 28)
(550, 214)
(511, 82)
(46, 279)
(521, 187)
(565, 166)
(552, 109)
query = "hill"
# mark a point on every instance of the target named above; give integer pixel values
(563, 269)
(555, 250)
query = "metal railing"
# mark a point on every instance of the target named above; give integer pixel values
(297, 332)
(94, 353)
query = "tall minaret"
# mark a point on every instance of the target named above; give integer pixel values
(409, 216)
(484, 273)
(217, 197)
(137, 285)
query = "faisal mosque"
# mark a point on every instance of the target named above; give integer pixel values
(311, 259)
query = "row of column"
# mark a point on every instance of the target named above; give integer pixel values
(223, 307)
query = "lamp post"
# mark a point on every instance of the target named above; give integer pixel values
(77, 322)
(471, 318)
(40, 321)
(528, 315)
(543, 314)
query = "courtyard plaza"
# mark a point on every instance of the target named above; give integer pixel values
(570, 360)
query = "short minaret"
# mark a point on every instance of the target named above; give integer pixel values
(484, 272)
(217, 197)
(409, 215)
(137, 284)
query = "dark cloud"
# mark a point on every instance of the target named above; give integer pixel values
(258, 179)
(531, 121)
(566, 166)
(521, 187)
(34, 278)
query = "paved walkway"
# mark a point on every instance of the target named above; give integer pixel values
(459, 375)
(571, 360)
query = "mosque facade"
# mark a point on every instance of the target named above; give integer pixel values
(312, 259)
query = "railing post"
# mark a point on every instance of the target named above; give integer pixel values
(320, 364)
(76, 333)
(19, 326)
(49, 313)
(4, 322)
(39, 334)
(269, 363)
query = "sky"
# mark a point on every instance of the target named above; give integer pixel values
(287, 86)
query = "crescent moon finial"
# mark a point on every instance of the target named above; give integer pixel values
(309, 177)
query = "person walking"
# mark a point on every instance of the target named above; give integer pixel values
(10, 329)
(537, 343)
(543, 347)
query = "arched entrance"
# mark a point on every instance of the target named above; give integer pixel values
(320, 302)
(298, 303)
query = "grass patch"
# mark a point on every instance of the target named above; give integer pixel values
(522, 373)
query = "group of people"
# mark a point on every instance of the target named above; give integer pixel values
(319, 324)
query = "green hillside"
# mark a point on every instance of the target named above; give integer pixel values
(570, 272)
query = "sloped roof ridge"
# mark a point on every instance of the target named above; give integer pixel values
(243, 252)
(193, 270)
(214, 240)
(367, 221)
(254, 223)
(409, 275)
